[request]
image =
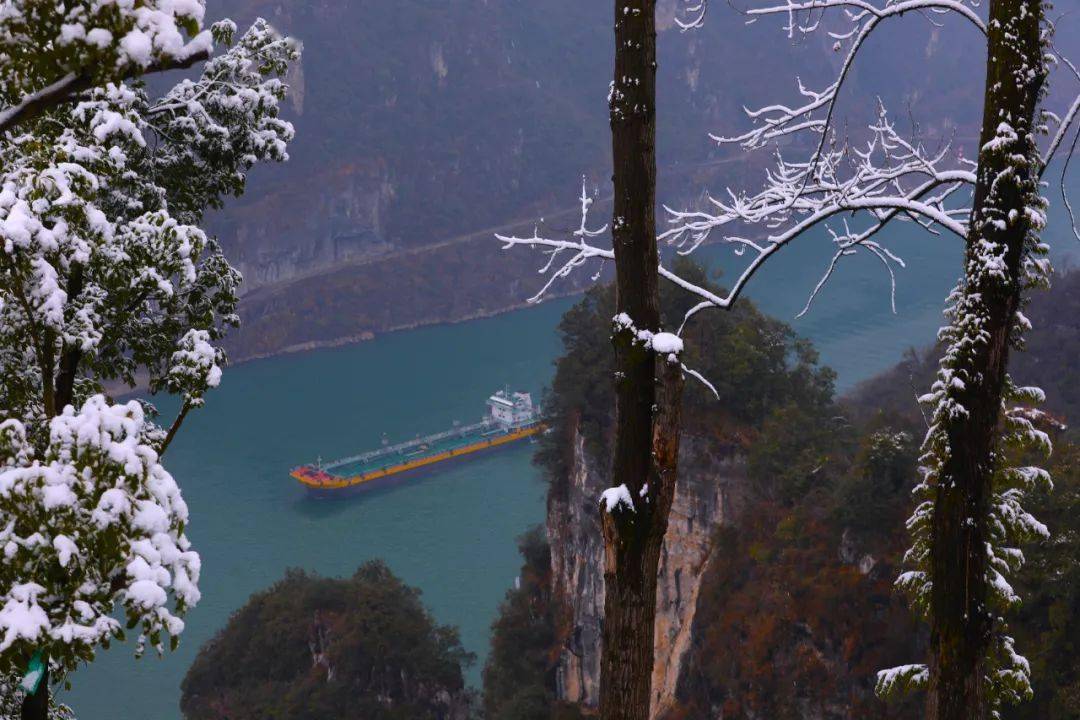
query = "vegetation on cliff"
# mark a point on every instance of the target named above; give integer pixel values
(311, 648)
(518, 677)
(798, 608)
(756, 364)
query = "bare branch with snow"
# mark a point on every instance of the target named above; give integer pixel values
(891, 178)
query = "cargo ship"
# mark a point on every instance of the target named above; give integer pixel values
(510, 417)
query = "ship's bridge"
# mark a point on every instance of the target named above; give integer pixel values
(508, 408)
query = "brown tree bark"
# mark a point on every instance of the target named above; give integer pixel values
(962, 625)
(648, 387)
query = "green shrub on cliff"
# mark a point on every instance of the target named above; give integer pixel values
(756, 363)
(311, 648)
(519, 681)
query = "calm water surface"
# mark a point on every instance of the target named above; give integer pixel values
(450, 532)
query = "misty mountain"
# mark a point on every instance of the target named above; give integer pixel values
(424, 126)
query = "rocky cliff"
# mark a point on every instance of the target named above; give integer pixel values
(703, 501)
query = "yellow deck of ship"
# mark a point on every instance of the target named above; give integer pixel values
(321, 480)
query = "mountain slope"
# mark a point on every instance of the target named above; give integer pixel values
(421, 123)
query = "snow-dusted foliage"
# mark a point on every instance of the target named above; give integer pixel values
(104, 37)
(105, 276)
(11, 699)
(216, 127)
(51, 51)
(90, 523)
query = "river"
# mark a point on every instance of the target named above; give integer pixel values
(450, 532)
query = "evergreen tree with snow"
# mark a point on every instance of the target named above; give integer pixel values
(106, 277)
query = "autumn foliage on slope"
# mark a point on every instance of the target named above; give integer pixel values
(799, 611)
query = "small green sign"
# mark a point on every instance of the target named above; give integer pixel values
(35, 671)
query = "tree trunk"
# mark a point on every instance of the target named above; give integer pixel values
(70, 355)
(962, 624)
(648, 387)
(36, 706)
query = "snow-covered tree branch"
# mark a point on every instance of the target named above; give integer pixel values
(90, 43)
(889, 178)
(564, 256)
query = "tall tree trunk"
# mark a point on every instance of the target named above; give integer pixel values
(648, 386)
(962, 624)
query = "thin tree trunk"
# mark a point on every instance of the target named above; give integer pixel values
(36, 706)
(71, 355)
(648, 387)
(962, 625)
(58, 392)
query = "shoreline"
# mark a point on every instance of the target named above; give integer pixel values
(120, 391)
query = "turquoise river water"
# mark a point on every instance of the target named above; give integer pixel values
(450, 532)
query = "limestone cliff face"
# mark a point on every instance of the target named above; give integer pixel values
(703, 500)
(573, 524)
(284, 235)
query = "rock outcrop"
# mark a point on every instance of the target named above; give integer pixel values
(284, 235)
(705, 496)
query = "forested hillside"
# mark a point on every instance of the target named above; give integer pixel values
(796, 610)
(310, 648)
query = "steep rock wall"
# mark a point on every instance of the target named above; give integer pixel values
(704, 499)
(284, 235)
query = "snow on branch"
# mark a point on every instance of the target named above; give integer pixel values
(814, 113)
(890, 178)
(573, 253)
(695, 14)
(566, 255)
(1062, 131)
(1065, 125)
(70, 86)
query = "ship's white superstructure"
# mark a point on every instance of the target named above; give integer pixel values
(511, 409)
